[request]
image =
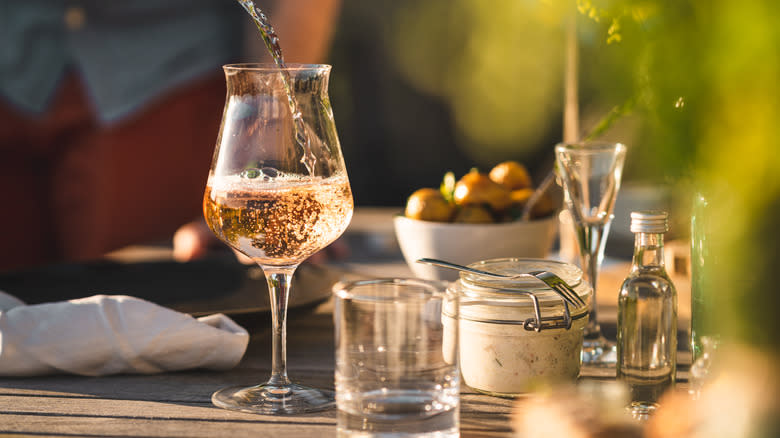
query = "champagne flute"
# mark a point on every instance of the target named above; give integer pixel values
(591, 174)
(277, 192)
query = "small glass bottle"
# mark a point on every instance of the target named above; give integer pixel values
(647, 317)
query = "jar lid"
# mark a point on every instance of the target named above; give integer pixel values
(509, 300)
(569, 273)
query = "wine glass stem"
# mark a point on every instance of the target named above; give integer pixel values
(279, 281)
(592, 241)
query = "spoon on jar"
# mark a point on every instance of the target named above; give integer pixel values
(553, 281)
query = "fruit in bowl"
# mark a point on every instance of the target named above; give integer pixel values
(475, 218)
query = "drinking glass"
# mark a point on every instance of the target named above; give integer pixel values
(278, 192)
(396, 358)
(591, 174)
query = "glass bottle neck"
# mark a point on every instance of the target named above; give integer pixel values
(648, 251)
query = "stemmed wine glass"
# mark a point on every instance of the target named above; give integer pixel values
(591, 174)
(277, 192)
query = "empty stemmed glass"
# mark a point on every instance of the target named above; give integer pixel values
(278, 192)
(591, 174)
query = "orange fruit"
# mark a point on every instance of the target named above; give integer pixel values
(428, 204)
(543, 207)
(473, 214)
(511, 175)
(476, 188)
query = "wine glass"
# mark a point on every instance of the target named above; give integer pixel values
(591, 174)
(277, 192)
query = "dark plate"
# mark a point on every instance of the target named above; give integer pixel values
(215, 284)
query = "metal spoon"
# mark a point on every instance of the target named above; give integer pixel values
(553, 281)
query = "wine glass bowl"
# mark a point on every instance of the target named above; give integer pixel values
(591, 173)
(277, 192)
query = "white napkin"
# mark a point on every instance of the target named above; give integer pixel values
(104, 334)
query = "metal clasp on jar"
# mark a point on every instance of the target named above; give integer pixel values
(539, 323)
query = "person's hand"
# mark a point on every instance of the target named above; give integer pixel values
(194, 240)
(190, 241)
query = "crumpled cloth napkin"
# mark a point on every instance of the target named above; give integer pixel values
(111, 334)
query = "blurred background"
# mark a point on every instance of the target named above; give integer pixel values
(421, 88)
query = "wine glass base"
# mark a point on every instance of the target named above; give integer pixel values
(274, 399)
(599, 352)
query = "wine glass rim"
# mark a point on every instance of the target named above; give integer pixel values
(594, 146)
(272, 67)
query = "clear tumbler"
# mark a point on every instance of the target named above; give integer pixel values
(396, 372)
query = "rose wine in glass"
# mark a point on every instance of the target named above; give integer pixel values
(277, 192)
(591, 174)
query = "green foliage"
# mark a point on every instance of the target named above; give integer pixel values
(707, 87)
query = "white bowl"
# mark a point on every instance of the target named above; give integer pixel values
(469, 243)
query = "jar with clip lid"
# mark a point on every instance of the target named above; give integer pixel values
(518, 332)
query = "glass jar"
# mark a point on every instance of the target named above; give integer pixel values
(509, 344)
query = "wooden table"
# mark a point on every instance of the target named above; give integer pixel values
(178, 404)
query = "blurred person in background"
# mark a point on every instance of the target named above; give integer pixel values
(109, 113)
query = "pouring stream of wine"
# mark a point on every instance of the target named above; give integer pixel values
(271, 41)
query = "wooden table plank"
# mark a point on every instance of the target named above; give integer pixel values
(112, 426)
